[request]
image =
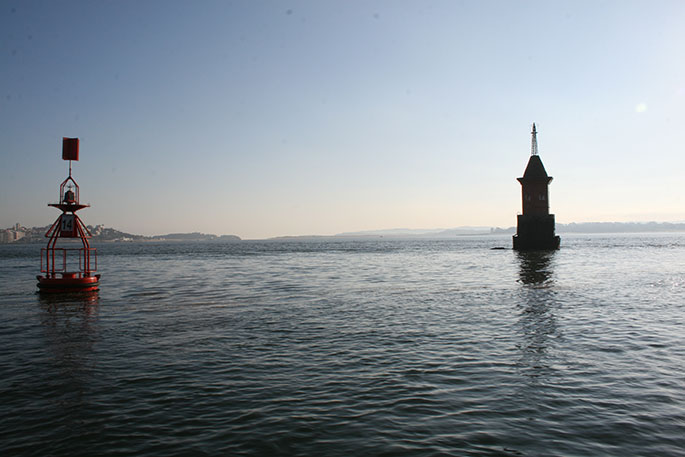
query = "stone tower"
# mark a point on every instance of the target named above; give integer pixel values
(535, 227)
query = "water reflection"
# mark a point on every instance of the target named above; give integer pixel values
(535, 267)
(537, 322)
(86, 302)
(69, 323)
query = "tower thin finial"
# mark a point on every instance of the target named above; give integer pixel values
(534, 142)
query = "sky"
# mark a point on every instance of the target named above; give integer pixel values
(267, 118)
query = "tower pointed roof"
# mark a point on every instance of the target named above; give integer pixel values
(535, 170)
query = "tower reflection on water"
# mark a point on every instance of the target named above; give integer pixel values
(537, 323)
(535, 268)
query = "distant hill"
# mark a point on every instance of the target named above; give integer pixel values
(620, 227)
(100, 233)
(582, 227)
(431, 233)
(399, 234)
(609, 227)
(194, 236)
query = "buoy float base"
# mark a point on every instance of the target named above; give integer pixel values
(68, 282)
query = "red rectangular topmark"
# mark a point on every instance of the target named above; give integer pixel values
(69, 148)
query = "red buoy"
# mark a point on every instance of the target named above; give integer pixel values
(68, 269)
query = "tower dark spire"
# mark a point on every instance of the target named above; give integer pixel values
(534, 142)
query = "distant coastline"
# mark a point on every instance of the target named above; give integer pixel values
(573, 227)
(19, 234)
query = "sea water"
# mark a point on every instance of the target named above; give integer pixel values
(365, 348)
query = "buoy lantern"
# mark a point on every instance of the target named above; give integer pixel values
(68, 269)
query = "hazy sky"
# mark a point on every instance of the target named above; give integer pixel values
(265, 118)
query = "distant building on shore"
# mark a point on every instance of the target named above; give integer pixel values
(535, 226)
(10, 235)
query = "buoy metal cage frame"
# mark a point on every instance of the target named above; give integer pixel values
(52, 263)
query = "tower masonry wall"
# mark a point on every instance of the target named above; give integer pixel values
(535, 197)
(535, 232)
